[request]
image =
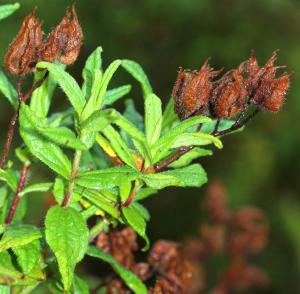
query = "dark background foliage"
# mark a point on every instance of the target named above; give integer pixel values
(260, 166)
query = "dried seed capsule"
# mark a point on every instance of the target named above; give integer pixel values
(22, 54)
(271, 93)
(65, 41)
(230, 97)
(192, 90)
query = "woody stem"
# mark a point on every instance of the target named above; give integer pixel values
(17, 198)
(14, 119)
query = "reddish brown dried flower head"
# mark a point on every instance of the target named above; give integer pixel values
(65, 41)
(22, 54)
(192, 90)
(229, 96)
(196, 94)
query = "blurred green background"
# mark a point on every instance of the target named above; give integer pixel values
(260, 166)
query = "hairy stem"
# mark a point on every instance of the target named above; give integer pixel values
(76, 163)
(17, 198)
(14, 119)
(95, 230)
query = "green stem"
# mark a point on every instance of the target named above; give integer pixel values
(76, 163)
(95, 230)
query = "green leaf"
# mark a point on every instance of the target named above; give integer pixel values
(169, 115)
(99, 89)
(62, 136)
(80, 286)
(9, 274)
(99, 120)
(138, 73)
(8, 9)
(7, 88)
(10, 178)
(190, 176)
(162, 146)
(160, 180)
(67, 83)
(153, 118)
(41, 187)
(196, 139)
(92, 64)
(137, 222)
(67, 235)
(28, 255)
(106, 178)
(119, 146)
(141, 209)
(111, 96)
(144, 193)
(101, 201)
(49, 153)
(41, 98)
(5, 290)
(187, 158)
(129, 278)
(19, 235)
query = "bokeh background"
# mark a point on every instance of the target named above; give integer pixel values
(260, 166)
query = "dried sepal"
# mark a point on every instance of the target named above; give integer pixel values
(192, 91)
(230, 97)
(65, 41)
(22, 54)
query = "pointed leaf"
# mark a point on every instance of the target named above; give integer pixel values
(41, 98)
(8, 9)
(92, 64)
(62, 136)
(137, 222)
(160, 180)
(49, 153)
(7, 88)
(196, 139)
(19, 235)
(138, 73)
(41, 187)
(111, 96)
(187, 158)
(130, 279)
(119, 146)
(190, 176)
(153, 118)
(67, 83)
(28, 255)
(67, 235)
(106, 178)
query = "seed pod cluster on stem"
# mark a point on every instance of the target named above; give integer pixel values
(197, 93)
(28, 48)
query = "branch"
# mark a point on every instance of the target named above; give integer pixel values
(14, 119)
(17, 198)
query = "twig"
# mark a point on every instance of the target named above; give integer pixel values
(131, 196)
(238, 124)
(17, 198)
(14, 119)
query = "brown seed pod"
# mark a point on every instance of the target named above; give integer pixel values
(192, 90)
(230, 96)
(271, 93)
(22, 54)
(65, 41)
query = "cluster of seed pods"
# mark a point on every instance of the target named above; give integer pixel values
(28, 47)
(199, 93)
